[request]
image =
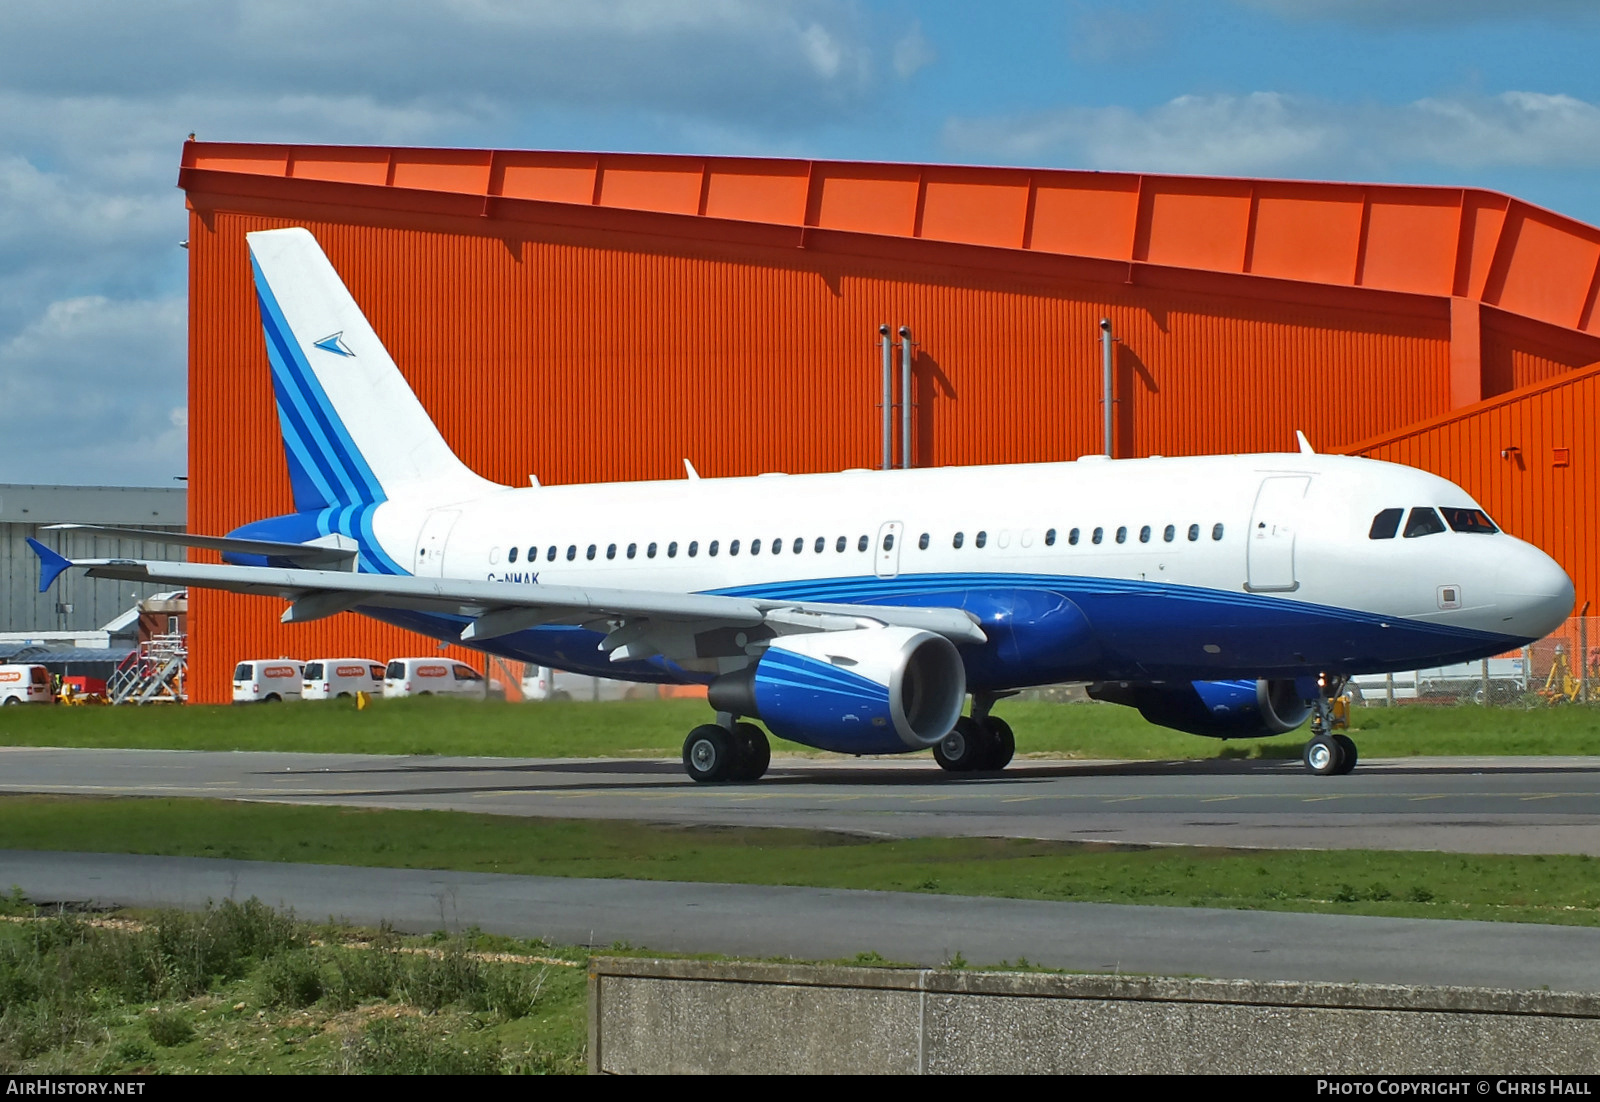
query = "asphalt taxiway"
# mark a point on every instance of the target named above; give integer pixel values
(1468, 805)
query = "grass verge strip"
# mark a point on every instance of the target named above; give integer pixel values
(657, 728)
(1553, 889)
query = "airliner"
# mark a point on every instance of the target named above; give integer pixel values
(858, 611)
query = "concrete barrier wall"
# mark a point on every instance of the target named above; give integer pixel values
(669, 1016)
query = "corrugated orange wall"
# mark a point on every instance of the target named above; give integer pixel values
(588, 356)
(1532, 461)
(1517, 352)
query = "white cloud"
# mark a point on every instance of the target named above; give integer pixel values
(91, 387)
(776, 62)
(1270, 133)
(96, 97)
(913, 52)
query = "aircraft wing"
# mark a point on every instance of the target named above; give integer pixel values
(638, 623)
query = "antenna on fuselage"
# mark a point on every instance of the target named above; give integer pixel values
(689, 472)
(1305, 445)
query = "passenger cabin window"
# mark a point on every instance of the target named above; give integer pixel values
(1099, 536)
(981, 539)
(888, 541)
(511, 555)
(1469, 520)
(672, 549)
(822, 541)
(733, 547)
(611, 551)
(1050, 538)
(551, 556)
(712, 550)
(650, 552)
(1385, 524)
(694, 548)
(1169, 533)
(1194, 532)
(862, 543)
(958, 540)
(755, 546)
(533, 554)
(572, 551)
(1144, 534)
(1072, 537)
(922, 542)
(1122, 535)
(1423, 521)
(590, 553)
(799, 544)
(633, 549)
(1216, 531)
(839, 546)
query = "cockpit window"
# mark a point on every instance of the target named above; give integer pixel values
(1469, 520)
(1385, 524)
(1423, 521)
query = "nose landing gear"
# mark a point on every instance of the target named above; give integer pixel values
(1328, 753)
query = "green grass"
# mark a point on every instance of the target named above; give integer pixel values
(1556, 889)
(656, 729)
(243, 989)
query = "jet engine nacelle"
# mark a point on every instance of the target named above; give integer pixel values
(1217, 709)
(867, 691)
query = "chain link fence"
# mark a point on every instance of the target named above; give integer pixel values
(1561, 668)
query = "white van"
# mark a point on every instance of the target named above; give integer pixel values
(25, 685)
(329, 678)
(431, 677)
(266, 679)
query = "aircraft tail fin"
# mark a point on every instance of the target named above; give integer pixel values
(353, 431)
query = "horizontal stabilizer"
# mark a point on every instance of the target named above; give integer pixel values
(50, 564)
(310, 556)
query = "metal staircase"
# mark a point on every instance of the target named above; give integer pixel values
(155, 673)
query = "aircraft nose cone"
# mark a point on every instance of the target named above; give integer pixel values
(1533, 593)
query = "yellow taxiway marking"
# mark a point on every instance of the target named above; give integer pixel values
(1122, 799)
(1217, 799)
(1545, 796)
(1320, 799)
(1019, 799)
(1435, 796)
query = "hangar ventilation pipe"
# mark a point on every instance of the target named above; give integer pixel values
(888, 396)
(1106, 400)
(905, 398)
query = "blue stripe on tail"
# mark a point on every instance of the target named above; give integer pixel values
(328, 475)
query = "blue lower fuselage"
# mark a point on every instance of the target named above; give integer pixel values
(1046, 629)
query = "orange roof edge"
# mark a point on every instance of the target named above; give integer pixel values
(1399, 238)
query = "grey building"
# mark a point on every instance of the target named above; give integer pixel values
(76, 603)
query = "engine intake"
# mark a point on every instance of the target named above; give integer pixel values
(1216, 709)
(868, 691)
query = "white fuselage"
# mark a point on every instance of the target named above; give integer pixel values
(1290, 527)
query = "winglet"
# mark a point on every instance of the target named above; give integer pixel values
(1305, 445)
(50, 564)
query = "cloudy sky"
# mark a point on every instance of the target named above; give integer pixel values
(97, 95)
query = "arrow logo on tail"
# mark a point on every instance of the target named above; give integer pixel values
(335, 344)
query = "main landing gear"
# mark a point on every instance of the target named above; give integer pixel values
(731, 751)
(1328, 754)
(979, 742)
